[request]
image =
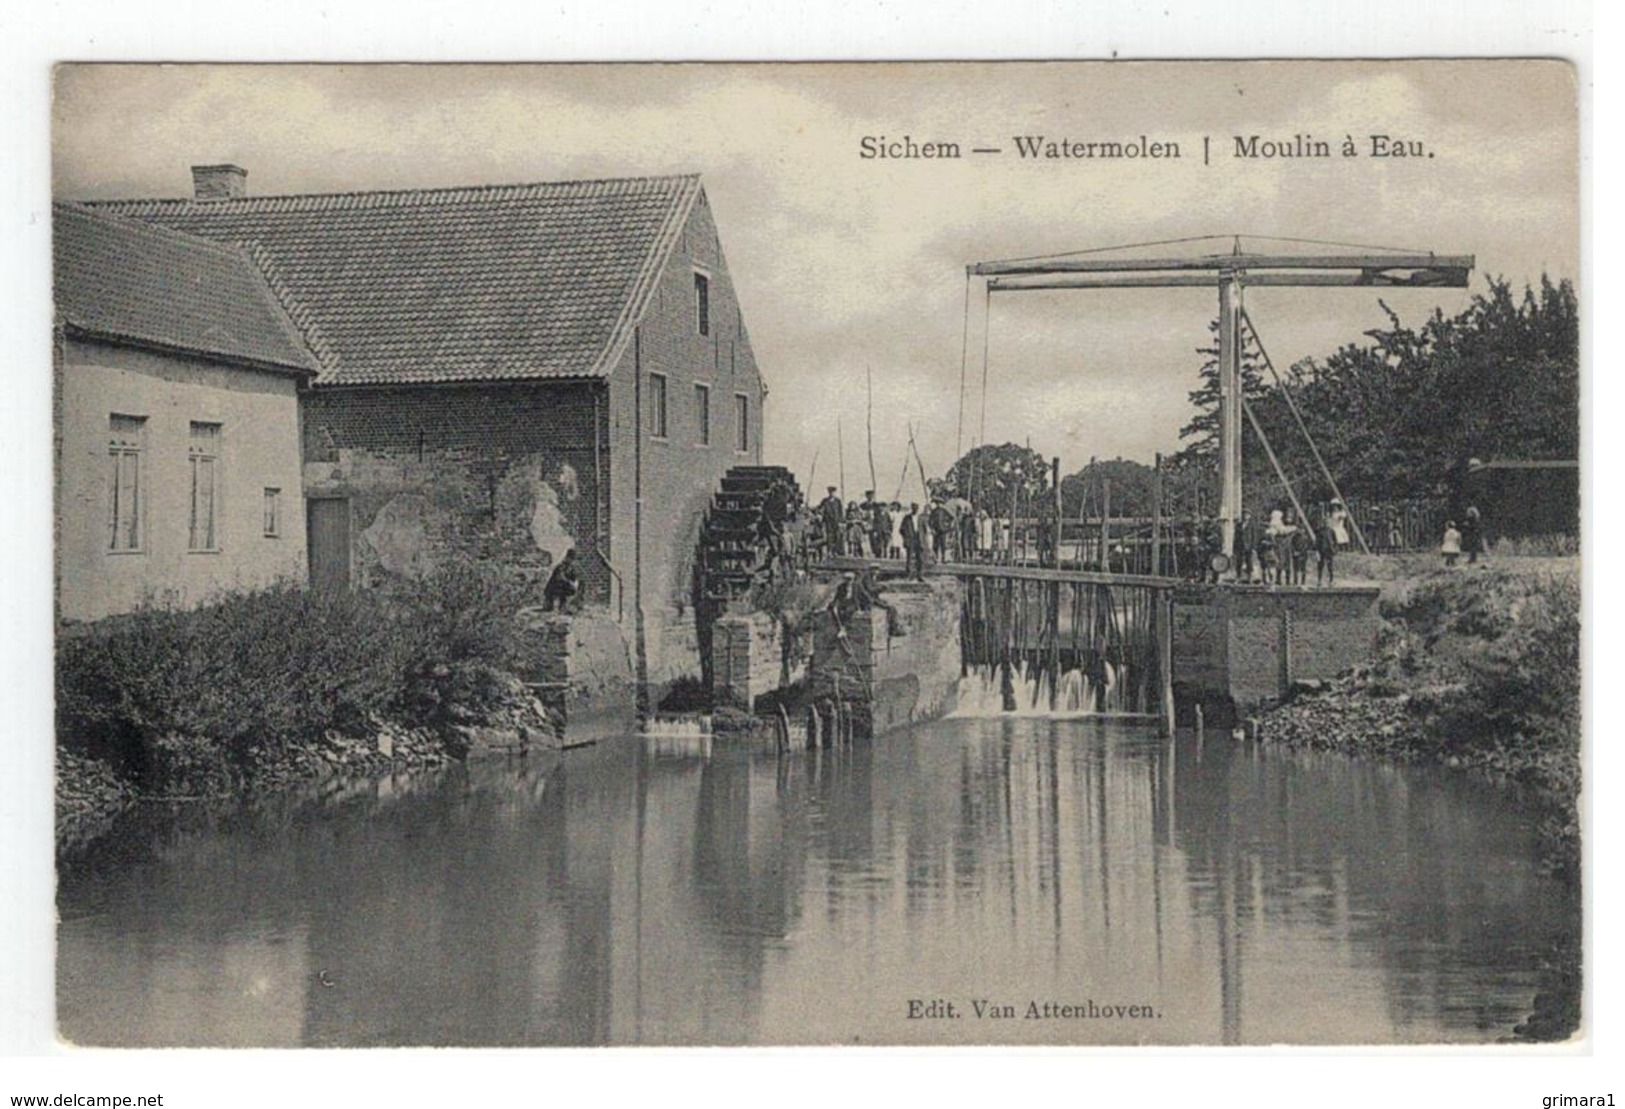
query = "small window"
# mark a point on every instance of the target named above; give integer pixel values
(742, 421)
(657, 405)
(203, 455)
(702, 413)
(273, 513)
(702, 303)
(126, 446)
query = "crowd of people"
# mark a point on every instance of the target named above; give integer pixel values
(1277, 552)
(948, 527)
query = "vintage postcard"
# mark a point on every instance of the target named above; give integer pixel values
(802, 554)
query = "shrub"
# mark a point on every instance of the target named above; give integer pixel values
(257, 672)
(1537, 546)
(1515, 704)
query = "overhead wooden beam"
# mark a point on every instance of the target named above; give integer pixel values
(1430, 279)
(1218, 263)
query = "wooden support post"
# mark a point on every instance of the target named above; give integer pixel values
(1156, 516)
(1229, 409)
(1106, 525)
(1053, 595)
(1055, 480)
(1165, 656)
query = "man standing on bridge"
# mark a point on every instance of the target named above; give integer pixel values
(942, 525)
(879, 525)
(831, 515)
(1246, 547)
(913, 532)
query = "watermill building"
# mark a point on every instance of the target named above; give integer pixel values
(506, 372)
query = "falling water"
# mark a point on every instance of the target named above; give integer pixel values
(678, 735)
(981, 694)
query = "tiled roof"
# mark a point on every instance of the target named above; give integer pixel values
(499, 282)
(117, 279)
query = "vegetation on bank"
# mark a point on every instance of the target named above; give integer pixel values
(279, 683)
(1477, 668)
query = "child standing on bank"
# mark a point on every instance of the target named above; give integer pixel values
(1269, 561)
(1300, 544)
(1451, 547)
(1326, 549)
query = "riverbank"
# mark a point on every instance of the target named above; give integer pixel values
(262, 690)
(1476, 667)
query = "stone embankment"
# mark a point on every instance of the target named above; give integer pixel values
(510, 721)
(1476, 669)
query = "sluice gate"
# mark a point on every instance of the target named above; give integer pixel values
(1066, 642)
(1034, 640)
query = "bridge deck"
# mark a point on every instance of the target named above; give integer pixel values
(1002, 570)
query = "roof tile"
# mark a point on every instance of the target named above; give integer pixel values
(497, 282)
(124, 280)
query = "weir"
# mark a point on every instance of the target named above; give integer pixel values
(991, 640)
(1072, 642)
(985, 640)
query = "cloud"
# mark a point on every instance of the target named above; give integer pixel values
(845, 265)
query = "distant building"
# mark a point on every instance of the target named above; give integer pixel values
(508, 371)
(175, 418)
(1520, 498)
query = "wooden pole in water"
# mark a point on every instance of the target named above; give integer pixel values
(1055, 591)
(1165, 657)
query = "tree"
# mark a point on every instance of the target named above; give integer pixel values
(1396, 416)
(1006, 479)
(1203, 428)
(1133, 484)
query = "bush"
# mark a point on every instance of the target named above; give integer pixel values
(1496, 659)
(256, 673)
(1537, 546)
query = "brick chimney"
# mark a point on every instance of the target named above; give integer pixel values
(219, 182)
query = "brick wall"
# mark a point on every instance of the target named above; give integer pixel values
(1249, 643)
(506, 473)
(748, 659)
(679, 472)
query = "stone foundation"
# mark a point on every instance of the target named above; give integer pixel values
(752, 656)
(581, 665)
(1248, 644)
(884, 681)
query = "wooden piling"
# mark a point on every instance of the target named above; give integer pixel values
(1165, 658)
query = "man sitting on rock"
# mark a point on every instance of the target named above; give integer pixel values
(855, 594)
(563, 584)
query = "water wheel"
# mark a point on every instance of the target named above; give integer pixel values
(735, 551)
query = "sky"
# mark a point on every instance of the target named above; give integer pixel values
(850, 268)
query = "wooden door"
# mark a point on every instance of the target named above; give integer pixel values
(328, 532)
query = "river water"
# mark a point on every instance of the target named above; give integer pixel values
(680, 891)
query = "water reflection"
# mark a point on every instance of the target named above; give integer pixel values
(653, 893)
